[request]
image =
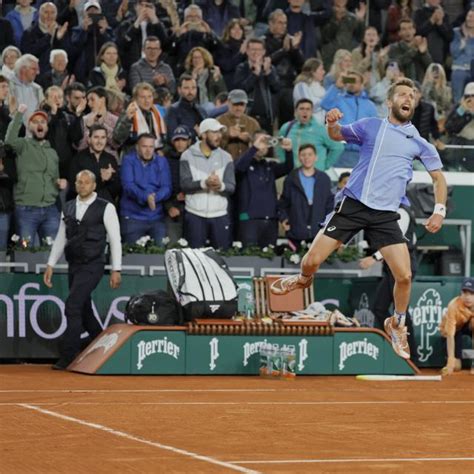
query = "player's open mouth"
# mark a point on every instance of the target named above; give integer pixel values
(406, 108)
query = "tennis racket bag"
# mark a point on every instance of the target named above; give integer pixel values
(202, 283)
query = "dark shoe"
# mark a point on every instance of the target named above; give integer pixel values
(61, 364)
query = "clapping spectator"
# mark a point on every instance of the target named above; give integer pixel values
(108, 73)
(378, 92)
(58, 75)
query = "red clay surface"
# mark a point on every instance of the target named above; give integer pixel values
(57, 422)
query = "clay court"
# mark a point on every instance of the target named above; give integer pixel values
(64, 422)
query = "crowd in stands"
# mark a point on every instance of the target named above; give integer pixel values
(189, 113)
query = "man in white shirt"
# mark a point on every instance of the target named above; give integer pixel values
(87, 223)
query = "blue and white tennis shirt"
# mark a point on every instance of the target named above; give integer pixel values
(385, 166)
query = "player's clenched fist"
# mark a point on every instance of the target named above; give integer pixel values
(333, 116)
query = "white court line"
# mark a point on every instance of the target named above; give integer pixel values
(130, 437)
(361, 460)
(164, 390)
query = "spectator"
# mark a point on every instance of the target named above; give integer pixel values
(399, 10)
(462, 51)
(200, 65)
(43, 36)
(36, 189)
(151, 68)
(193, 32)
(163, 101)
(146, 185)
(75, 98)
(256, 202)
(433, 23)
(304, 26)
(185, 111)
(108, 72)
(87, 224)
(239, 127)
(306, 198)
(10, 56)
(21, 18)
(174, 206)
(460, 127)
(23, 86)
(259, 79)
(218, 13)
(58, 74)
(305, 129)
(131, 33)
(98, 102)
(343, 31)
(207, 179)
(411, 52)
(349, 96)
(436, 91)
(378, 92)
(64, 129)
(342, 181)
(7, 37)
(141, 116)
(308, 85)
(88, 37)
(283, 49)
(98, 161)
(341, 64)
(231, 51)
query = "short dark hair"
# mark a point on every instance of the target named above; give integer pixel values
(405, 20)
(100, 92)
(257, 41)
(401, 82)
(146, 135)
(304, 146)
(185, 77)
(346, 174)
(95, 127)
(75, 86)
(3, 78)
(303, 100)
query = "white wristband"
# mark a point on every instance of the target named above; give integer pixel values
(440, 209)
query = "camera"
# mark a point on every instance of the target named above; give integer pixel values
(274, 141)
(348, 80)
(96, 17)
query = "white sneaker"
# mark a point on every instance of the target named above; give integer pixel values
(398, 335)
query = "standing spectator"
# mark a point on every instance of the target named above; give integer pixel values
(207, 179)
(256, 203)
(433, 23)
(146, 185)
(218, 13)
(259, 79)
(284, 51)
(231, 51)
(132, 33)
(21, 18)
(304, 130)
(151, 68)
(200, 65)
(309, 85)
(102, 164)
(411, 52)
(141, 116)
(462, 51)
(174, 206)
(185, 111)
(306, 198)
(399, 10)
(58, 75)
(343, 31)
(349, 96)
(87, 39)
(87, 224)
(36, 189)
(23, 86)
(10, 56)
(239, 126)
(108, 72)
(341, 64)
(305, 25)
(45, 35)
(98, 102)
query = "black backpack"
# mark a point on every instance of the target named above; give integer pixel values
(155, 308)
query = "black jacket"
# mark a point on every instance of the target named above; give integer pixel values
(184, 113)
(424, 120)
(305, 219)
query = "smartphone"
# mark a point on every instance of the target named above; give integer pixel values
(96, 17)
(348, 80)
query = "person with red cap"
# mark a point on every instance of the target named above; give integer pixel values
(36, 190)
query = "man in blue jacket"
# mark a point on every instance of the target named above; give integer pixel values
(146, 184)
(306, 198)
(348, 95)
(256, 191)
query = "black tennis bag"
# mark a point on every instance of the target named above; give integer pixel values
(202, 283)
(157, 308)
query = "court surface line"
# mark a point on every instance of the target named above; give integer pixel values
(138, 439)
(356, 460)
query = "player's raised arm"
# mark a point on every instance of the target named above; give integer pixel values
(334, 128)
(435, 222)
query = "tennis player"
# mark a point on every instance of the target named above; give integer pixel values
(376, 188)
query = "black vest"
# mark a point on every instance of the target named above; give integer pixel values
(85, 239)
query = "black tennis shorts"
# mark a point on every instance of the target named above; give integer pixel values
(351, 216)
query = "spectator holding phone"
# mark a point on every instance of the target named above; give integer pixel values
(378, 92)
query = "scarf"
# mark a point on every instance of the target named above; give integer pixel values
(202, 86)
(140, 125)
(110, 74)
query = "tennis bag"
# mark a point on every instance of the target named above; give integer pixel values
(156, 308)
(202, 283)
